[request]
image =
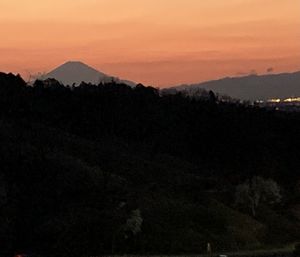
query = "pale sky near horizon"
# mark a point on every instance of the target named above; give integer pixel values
(161, 43)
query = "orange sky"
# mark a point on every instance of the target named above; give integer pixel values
(157, 42)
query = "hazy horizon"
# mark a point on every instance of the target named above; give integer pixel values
(191, 83)
(172, 43)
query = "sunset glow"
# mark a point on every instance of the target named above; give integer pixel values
(160, 43)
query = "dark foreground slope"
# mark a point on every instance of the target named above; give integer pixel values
(113, 169)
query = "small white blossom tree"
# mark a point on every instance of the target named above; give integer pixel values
(134, 222)
(257, 191)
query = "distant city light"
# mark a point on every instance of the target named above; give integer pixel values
(287, 100)
(293, 99)
(275, 100)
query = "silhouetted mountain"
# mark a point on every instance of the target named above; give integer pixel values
(77, 72)
(253, 87)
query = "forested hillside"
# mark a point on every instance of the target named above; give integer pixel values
(101, 169)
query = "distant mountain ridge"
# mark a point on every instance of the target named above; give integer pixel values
(253, 87)
(75, 72)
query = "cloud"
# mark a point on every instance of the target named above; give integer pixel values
(253, 72)
(242, 73)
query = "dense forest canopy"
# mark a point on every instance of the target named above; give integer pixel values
(108, 168)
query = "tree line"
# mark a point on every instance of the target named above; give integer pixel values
(108, 168)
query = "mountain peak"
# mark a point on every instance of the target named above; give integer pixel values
(75, 63)
(76, 72)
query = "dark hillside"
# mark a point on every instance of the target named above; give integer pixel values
(113, 169)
